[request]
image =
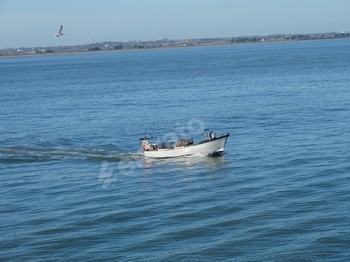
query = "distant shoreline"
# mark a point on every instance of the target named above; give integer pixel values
(111, 46)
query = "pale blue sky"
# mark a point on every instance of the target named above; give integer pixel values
(32, 23)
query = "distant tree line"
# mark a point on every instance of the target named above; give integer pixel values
(166, 43)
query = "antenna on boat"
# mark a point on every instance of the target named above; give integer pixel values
(148, 136)
(209, 133)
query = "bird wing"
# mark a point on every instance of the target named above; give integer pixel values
(60, 31)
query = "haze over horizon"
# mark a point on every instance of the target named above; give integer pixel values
(34, 23)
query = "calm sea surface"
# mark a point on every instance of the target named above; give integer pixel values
(75, 186)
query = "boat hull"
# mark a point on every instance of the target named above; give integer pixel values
(211, 147)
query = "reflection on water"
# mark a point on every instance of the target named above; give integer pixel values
(187, 162)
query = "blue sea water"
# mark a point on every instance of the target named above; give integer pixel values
(75, 185)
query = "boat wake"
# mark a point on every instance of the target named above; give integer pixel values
(38, 154)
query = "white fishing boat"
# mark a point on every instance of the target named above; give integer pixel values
(211, 146)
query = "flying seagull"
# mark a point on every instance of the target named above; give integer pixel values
(59, 32)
